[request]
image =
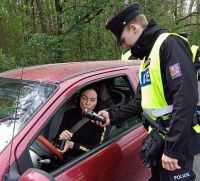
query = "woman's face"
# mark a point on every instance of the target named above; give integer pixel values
(88, 99)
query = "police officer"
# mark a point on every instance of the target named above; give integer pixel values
(167, 84)
(195, 51)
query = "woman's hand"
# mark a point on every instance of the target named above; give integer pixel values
(66, 135)
(169, 163)
(68, 145)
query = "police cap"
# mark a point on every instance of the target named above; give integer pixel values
(119, 21)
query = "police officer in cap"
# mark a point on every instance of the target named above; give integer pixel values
(195, 51)
(167, 89)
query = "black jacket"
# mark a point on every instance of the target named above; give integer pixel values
(181, 92)
(88, 136)
(197, 59)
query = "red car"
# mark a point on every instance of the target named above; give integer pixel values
(33, 102)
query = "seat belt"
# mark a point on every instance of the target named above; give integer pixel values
(78, 125)
(75, 128)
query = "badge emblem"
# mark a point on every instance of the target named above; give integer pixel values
(175, 71)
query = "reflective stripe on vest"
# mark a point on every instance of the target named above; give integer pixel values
(194, 49)
(126, 56)
(159, 112)
(152, 93)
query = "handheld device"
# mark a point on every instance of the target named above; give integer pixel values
(62, 146)
(93, 116)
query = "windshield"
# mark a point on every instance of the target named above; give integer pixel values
(19, 100)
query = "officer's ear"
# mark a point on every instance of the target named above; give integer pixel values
(133, 27)
(136, 28)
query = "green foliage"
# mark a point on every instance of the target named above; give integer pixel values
(7, 62)
(194, 37)
(6, 106)
(42, 49)
(74, 30)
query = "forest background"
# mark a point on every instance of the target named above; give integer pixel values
(36, 32)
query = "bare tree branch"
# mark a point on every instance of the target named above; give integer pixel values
(190, 7)
(73, 7)
(189, 15)
(191, 24)
(92, 17)
(186, 25)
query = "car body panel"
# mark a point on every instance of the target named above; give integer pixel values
(116, 162)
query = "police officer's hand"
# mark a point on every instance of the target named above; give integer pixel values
(65, 135)
(104, 114)
(169, 163)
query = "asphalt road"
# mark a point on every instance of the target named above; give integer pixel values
(196, 168)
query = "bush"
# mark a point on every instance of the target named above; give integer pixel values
(6, 62)
(42, 49)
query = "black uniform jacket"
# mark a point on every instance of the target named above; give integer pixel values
(181, 92)
(87, 136)
(197, 59)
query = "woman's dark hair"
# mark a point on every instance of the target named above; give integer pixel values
(92, 87)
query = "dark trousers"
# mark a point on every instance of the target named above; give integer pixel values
(160, 174)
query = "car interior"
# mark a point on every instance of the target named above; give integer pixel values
(114, 92)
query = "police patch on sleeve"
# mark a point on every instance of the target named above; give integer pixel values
(175, 71)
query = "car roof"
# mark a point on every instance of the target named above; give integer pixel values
(54, 73)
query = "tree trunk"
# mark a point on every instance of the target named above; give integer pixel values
(50, 25)
(175, 9)
(33, 16)
(190, 10)
(59, 20)
(41, 16)
(198, 11)
(3, 43)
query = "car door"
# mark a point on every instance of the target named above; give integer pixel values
(115, 160)
(117, 157)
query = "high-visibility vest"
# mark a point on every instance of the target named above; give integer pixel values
(194, 49)
(126, 55)
(152, 92)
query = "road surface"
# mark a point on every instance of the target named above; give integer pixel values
(197, 167)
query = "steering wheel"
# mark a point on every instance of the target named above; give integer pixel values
(50, 146)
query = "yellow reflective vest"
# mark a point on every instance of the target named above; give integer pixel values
(194, 49)
(126, 55)
(152, 92)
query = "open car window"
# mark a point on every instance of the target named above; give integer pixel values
(114, 92)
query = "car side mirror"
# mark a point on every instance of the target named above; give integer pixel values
(35, 174)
